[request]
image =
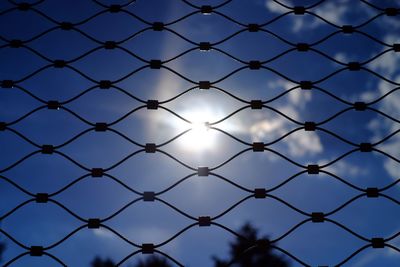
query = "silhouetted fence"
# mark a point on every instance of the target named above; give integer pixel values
(154, 104)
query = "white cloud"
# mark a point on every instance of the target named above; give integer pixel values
(374, 254)
(275, 7)
(382, 127)
(369, 96)
(296, 97)
(342, 57)
(337, 12)
(274, 125)
(297, 144)
(300, 145)
(333, 12)
(262, 128)
(104, 233)
(392, 22)
(366, 258)
(392, 147)
(387, 64)
(344, 168)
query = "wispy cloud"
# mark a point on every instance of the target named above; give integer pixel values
(273, 125)
(388, 66)
(275, 7)
(335, 12)
(373, 255)
(344, 169)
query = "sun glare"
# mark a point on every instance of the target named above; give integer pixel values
(200, 137)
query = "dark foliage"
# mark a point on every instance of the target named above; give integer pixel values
(244, 253)
(152, 261)
(98, 262)
(2, 248)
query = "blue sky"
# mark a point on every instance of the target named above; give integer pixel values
(154, 222)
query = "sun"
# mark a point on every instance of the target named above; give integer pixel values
(200, 137)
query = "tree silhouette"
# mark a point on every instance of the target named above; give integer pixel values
(152, 261)
(2, 248)
(244, 253)
(98, 262)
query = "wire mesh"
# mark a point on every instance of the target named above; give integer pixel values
(154, 27)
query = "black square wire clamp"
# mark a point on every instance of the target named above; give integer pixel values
(204, 84)
(149, 196)
(252, 27)
(204, 46)
(299, 10)
(255, 65)
(94, 223)
(42, 197)
(391, 11)
(260, 193)
(101, 127)
(7, 84)
(152, 104)
(206, 10)
(150, 148)
(306, 85)
(302, 47)
(3, 126)
(24, 6)
(365, 147)
(256, 104)
(354, 66)
(66, 26)
(158, 26)
(97, 172)
(105, 84)
(114, 8)
(147, 248)
(312, 169)
(203, 171)
(378, 242)
(317, 217)
(347, 29)
(110, 45)
(258, 146)
(53, 104)
(372, 192)
(59, 63)
(360, 106)
(204, 221)
(155, 64)
(15, 43)
(47, 149)
(396, 47)
(36, 251)
(310, 126)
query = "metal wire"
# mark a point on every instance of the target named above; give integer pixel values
(262, 65)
